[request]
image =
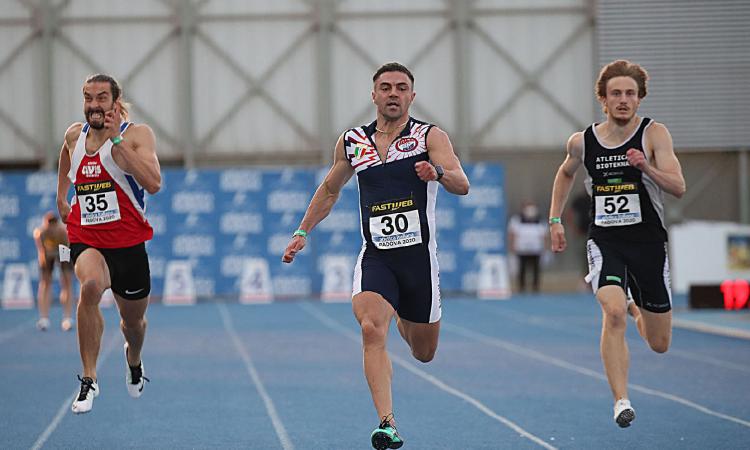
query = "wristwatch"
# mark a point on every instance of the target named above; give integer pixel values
(439, 170)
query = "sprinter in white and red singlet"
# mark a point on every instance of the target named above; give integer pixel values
(110, 163)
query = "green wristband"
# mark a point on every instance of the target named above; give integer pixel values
(553, 220)
(300, 232)
(116, 140)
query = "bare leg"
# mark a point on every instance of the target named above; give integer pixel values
(43, 293)
(66, 292)
(374, 315)
(657, 328)
(133, 325)
(92, 272)
(421, 337)
(635, 312)
(614, 349)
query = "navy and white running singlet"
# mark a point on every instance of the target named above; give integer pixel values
(397, 210)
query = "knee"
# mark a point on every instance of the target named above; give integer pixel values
(137, 323)
(424, 355)
(372, 334)
(659, 345)
(91, 291)
(615, 319)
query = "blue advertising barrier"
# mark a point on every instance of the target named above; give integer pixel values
(218, 218)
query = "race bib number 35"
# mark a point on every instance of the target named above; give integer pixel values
(98, 202)
(616, 205)
(395, 224)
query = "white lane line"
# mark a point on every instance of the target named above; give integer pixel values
(709, 360)
(65, 407)
(710, 329)
(578, 330)
(539, 356)
(18, 329)
(337, 327)
(278, 425)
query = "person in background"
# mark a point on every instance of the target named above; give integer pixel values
(48, 237)
(527, 239)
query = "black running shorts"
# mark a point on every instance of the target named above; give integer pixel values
(640, 267)
(128, 269)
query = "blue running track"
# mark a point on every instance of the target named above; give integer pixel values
(517, 374)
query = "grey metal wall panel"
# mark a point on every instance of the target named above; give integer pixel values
(697, 54)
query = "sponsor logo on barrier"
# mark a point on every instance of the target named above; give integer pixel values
(10, 249)
(278, 242)
(235, 223)
(185, 202)
(193, 245)
(290, 286)
(158, 223)
(445, 218)
(446, 261)
(240, 180)
(282, 201)
(484, 196)
(205, 287)
(156, 265)
(9, 206)
(482, 239)
(340, 221)
(40, 183)
(231, 266)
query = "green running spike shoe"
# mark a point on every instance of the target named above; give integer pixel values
(385, 436)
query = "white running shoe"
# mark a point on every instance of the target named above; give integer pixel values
(134, 378)
(85, 400)
(66, 324)
(624, 413)
(42, 324)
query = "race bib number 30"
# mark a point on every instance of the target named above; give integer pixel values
(617, 205)
(98, 202)
(395, 224)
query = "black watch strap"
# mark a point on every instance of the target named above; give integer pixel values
(439, 170)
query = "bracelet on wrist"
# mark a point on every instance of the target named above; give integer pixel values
(300, 232)
(554, 220)
(116, 140)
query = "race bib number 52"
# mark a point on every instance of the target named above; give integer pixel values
(395, 224)
(98, 202)
(616, 205)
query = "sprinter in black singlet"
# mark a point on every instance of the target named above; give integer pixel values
(399, 162)
(629, 162)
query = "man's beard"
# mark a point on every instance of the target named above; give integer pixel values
(97, 125)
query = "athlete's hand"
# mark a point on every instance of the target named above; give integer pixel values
(557, 237)
(295, 245)
(637, 159)
(112, 119)
(63, 208)
(425, 171)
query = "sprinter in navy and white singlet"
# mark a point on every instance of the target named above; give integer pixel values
(399, 162)
(629, 162)
(110, 163)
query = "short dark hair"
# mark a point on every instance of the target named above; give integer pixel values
(393, 67)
